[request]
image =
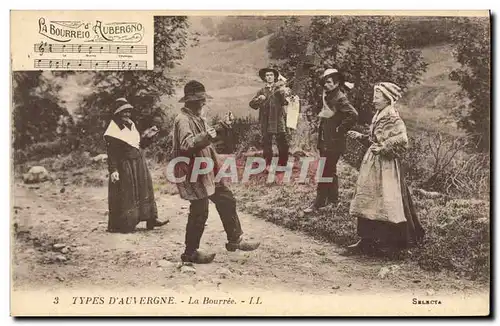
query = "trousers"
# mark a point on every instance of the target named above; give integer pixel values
(225, 203)
(281, 142)
(328, 192)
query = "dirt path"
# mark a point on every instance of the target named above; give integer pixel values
(285, 260)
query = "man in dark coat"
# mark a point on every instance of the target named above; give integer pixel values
(270, 102)
(337, 116)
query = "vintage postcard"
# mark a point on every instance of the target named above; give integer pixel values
(252, 163)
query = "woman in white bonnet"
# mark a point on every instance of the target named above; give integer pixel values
(130, 193)
(382, 202)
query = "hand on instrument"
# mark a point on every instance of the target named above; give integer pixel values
(211, 132)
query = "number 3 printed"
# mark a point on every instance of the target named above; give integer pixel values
(56, 300)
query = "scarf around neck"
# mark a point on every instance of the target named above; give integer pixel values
(128, 135)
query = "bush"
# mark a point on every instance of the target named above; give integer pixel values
(246, 133)
(442, 163)
(37, 115)
(430, 30)
(160, 150)
(471, 40)
(42, 150)
(457, 237)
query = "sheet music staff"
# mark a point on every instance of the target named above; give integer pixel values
(44, 47)
(75, 64)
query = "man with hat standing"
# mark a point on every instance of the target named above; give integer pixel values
(192, 138)
(270, 102)
(337, 116)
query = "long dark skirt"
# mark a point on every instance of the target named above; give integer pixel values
(131, 199)
(401, 235)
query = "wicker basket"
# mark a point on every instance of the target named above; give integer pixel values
(354, 153)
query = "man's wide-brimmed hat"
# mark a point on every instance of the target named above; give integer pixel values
(121, 104)
(262, 73)
(194, 91)
(334, 72)
(330, 73)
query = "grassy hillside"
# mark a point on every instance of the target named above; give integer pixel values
(228, 70)
(427, 105)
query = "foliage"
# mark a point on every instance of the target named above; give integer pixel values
(430, 30)
(366, 49)
(288, 44)
(37, 113)
(441, 163)
(471, 40)
(457, 237)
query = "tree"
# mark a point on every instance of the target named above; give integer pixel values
(36, 110)
(143, 89)
(288, 45)
(433, 30)
(472, 50)
(366, 49)
(374, 54)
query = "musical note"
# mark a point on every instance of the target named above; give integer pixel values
(80, 64)
(78, 48)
